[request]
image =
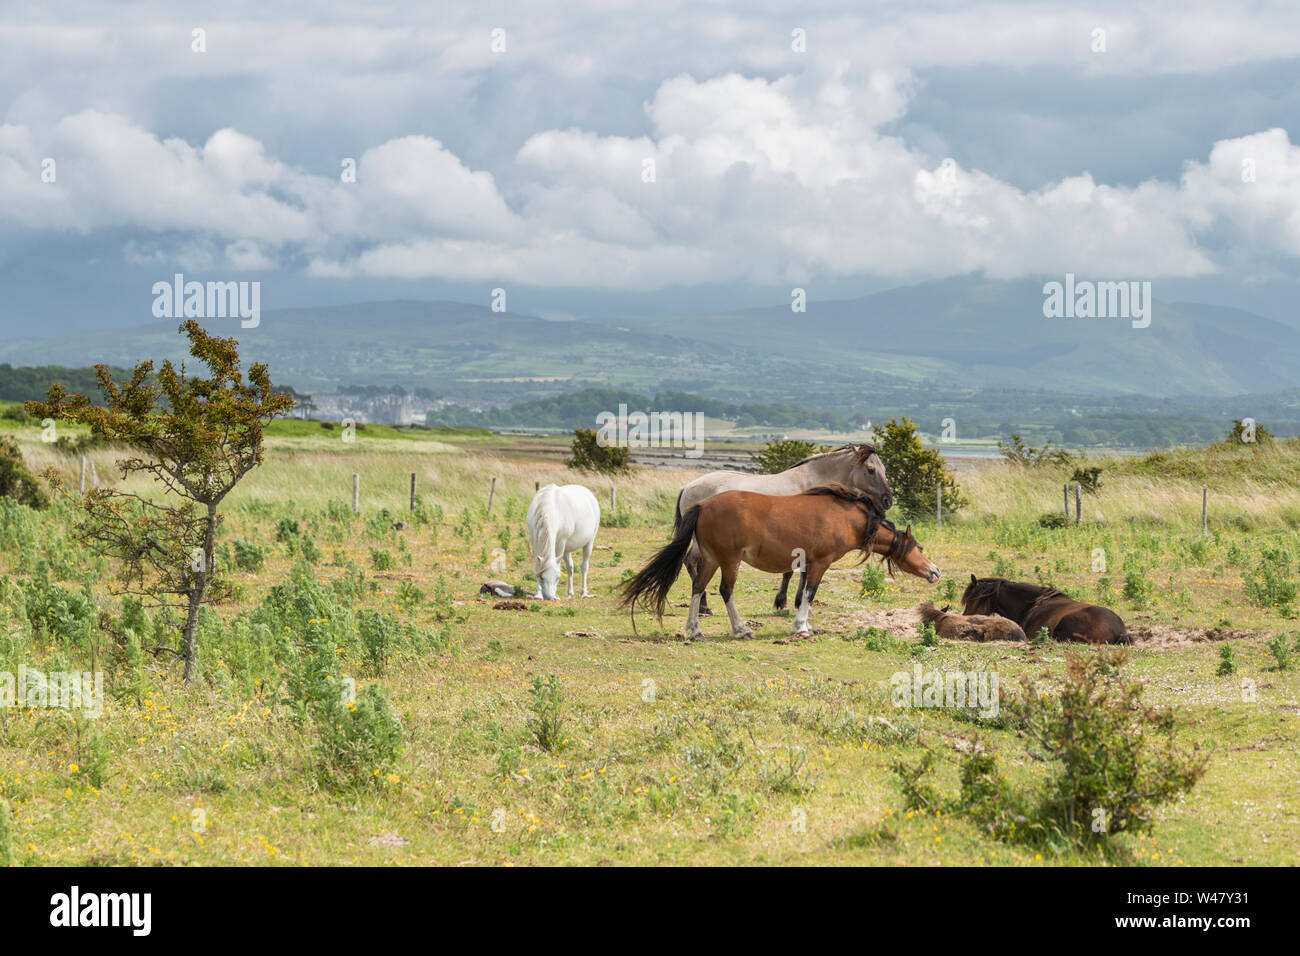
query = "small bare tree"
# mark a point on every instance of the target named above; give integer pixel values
(197, 437)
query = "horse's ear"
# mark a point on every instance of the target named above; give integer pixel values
(973, 579)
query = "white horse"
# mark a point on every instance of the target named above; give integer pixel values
(561, 520)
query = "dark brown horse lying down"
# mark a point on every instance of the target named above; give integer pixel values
(970, 627)
(809, 532)
(1034, 607)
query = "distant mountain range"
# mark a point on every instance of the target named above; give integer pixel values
(957, 333)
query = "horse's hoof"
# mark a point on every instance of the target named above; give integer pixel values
(705, 612)
(745, 636)
(778, 604)
(804, 635)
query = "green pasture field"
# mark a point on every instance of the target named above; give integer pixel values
(717, 752)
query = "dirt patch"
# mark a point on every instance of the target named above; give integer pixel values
(1160, 636)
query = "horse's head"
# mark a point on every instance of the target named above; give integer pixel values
(905, 552)
(547, 572)
(980, 596)
(867, 473)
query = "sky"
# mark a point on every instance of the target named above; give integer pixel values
(622, 158)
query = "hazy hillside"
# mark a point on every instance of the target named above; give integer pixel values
(982, 332)
(958, 333)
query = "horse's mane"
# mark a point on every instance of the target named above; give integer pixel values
(863, 450)
(875, 521)
(987, 587)
(836, 490)
(543, 532)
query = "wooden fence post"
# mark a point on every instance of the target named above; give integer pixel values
(1065, 490)
(82, 485)
(938, 505)
(613, 499)
(356, 493)
(412, 491)
(1205, 511)
(1078, 504)
(491, 494)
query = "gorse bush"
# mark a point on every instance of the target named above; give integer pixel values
(782, 453)
(916, 473)
(590, 455)
(16, 482)
(1113, 760)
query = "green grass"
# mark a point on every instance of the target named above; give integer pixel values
(718, 752)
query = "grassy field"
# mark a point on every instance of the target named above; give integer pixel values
(716, 752)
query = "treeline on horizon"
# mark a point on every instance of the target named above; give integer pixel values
(1065, 420)
(1073, 421)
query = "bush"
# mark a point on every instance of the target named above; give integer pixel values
(590, 455)
(1114, 753)
(782, 453)
(1114, 761)
(873, 581)
(1088, 479)
(1227, 660)
(547, 706)
(1269, 585)
(1020, 453)
(248, 556)
(1281, 651)
(916, 473)
(359, 740)
(16, 481)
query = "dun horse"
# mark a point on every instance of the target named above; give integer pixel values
(855, 465)
(773, 533)
(970, 627)
(1034, 607)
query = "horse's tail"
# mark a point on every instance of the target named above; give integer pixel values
(650, 586)
(677, 516)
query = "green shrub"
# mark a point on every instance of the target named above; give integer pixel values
(1269, 584)
(873, 581)
(1113, 760)
(547, 705)
(381, 560)
(590, 455)
(782, 453)
(1280, 648)
(358, 741)
(1113, 752)
(916, 473)
(16, 481)
(1227, 660)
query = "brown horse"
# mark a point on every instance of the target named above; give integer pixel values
(970, 627)
(775, 533)
(1034, 607)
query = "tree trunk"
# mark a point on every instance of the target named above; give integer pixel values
(189, 633)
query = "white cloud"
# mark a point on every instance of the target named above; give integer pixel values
(758, 180)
